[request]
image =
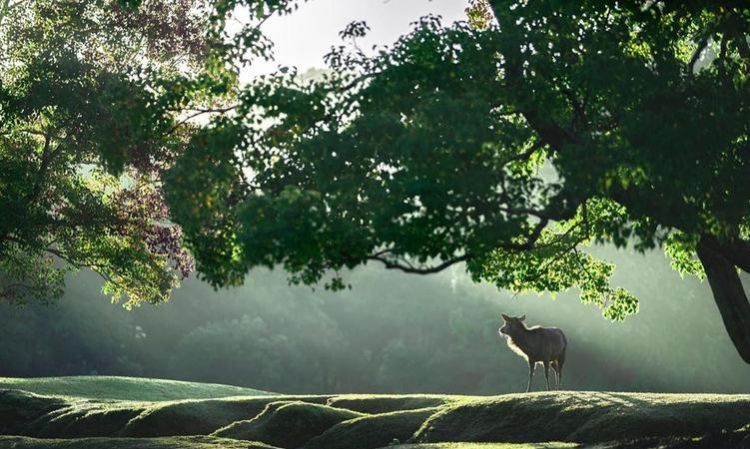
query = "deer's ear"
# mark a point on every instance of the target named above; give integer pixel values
(505, 317)
(522, 318)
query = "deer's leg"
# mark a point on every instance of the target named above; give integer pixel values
(532, 365)
(555, 369)
(546, 372)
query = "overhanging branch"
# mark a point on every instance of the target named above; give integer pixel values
(407, 268)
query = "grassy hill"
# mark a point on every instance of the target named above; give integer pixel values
(124, 388)
(223, 443)
(124, 413)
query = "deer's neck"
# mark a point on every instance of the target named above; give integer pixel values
(522, 339)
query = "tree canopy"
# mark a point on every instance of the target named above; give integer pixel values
(88, 97)
(508, 143)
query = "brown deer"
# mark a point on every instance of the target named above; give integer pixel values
(536, 344)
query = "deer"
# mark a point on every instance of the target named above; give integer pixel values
(536, 344)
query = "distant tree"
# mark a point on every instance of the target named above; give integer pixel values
(90, 92)
(508, 144)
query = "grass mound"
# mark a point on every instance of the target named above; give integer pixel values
(19, 408)
(375, 403)
(199, 442)
(84, 419)
(24, 413)
(584, 420)
(373, 431)
(199, 417)
(125, 388)
(491, 446)
(739, 439)
(28, 414)
(288, 424)
(586, 417)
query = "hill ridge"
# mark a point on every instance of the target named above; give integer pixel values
(610, 420)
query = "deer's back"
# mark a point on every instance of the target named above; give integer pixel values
(545, 343)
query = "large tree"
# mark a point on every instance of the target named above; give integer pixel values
(508, 144)
(90, 94)
(97, 100)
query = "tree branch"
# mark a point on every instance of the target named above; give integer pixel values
(394, 265)
(48, 155)
(553, 134)
(697, 54)
(407, 267)
(64, 257)
(736, 251)
(199, 112)
(526, 211)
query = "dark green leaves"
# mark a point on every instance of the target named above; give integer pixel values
(511, 143)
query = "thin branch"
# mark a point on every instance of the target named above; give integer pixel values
(394, 265)
(702, 44)
(525, 211)
(199, 112)
(48, 155)
(355, 81)
(64, 257)
(536, 233)
(407, 267)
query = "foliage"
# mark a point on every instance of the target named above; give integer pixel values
(479, 14)
(508, 142)
(89, 97)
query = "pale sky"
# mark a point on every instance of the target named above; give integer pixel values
(302, 38)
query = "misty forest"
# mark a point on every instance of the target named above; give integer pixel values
(369, 224)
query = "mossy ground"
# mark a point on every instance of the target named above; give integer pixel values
(382, 403)
(288, 424)
(201, 417)
(147, 419)
(372, 431)
(554, 445)
(125, 388)
(193, 442)
(585, 417)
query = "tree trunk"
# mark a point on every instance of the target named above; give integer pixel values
(728, 293)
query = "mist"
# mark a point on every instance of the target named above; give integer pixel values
(391, 332)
